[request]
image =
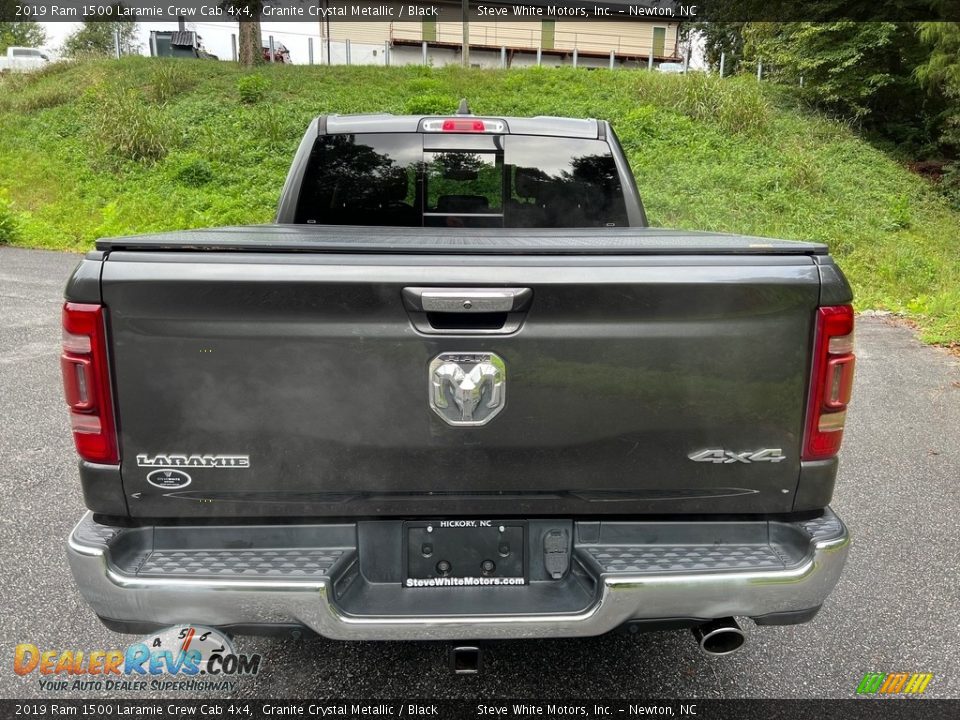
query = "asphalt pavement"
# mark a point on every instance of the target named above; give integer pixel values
(897, 607)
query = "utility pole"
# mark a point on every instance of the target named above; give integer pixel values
(327, 32)
(465, 54)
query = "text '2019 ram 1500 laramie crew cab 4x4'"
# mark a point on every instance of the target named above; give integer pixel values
(459, 390)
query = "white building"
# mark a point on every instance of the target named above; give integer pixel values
(499, 43)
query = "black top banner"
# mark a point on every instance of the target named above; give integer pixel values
(453, 10)
(599, 709)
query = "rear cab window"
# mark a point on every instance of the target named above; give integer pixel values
(453, 180)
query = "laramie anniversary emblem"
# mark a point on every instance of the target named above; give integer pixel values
(203, 461)
(467, 388)
(168, 479)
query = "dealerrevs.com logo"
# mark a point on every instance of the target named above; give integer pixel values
(183, 657)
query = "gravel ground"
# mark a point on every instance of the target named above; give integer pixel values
(897, 607)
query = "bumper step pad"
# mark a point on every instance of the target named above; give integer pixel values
(338, 579)
(654, 559)
(285, 562)
(308, 552)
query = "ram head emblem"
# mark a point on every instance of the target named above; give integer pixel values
(467, 388)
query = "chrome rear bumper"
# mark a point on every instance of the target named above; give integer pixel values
(312, 575)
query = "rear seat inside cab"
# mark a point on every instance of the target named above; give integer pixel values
(465, 204)
(527, 184)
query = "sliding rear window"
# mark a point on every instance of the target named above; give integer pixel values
(362, 180)
(562, 182)
(509, 181)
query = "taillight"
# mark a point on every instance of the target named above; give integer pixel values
(464, 125)
(831, 382)
(86, 383)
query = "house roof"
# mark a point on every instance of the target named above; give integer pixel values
(183, 37)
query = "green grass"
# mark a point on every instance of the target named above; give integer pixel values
(106, 148)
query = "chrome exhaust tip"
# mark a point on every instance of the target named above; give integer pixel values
(719, 637)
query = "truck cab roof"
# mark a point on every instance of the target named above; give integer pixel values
(389, 123)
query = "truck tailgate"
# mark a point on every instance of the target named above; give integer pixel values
(308, 367)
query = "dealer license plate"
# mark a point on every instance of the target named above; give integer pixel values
(465, 553)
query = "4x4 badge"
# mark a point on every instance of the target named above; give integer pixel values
(467, 388)
(773, 455)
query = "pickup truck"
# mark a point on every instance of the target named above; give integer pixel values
(23, 59)
(459, 390)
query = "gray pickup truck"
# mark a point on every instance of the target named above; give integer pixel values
(459, 390)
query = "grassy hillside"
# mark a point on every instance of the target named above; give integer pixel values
(140, 145)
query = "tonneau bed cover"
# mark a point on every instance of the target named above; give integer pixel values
(497, 241)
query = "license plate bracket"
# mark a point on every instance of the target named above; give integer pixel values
(465, 553)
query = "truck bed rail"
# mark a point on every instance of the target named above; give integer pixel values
(496, 241)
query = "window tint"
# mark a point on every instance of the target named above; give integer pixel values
(560, 182)
(463, 189)
(387, 179)
(362, 180)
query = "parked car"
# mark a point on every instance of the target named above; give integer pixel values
(671, 67)
(459, 390)
(280, 54)
(23, 59)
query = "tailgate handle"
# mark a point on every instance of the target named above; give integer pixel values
(461, 300)
(467, 311)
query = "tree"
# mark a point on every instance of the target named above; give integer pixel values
(846, 66)
(250, 46)
(250, 50)
(864, 71)
(941, 69)
(940, 76)
(99, 38)
(720, 38)
(25, 34)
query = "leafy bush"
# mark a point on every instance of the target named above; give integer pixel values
(8, 220)
(191, 170)
(252, 88)
(128, 128)
(900, 215)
